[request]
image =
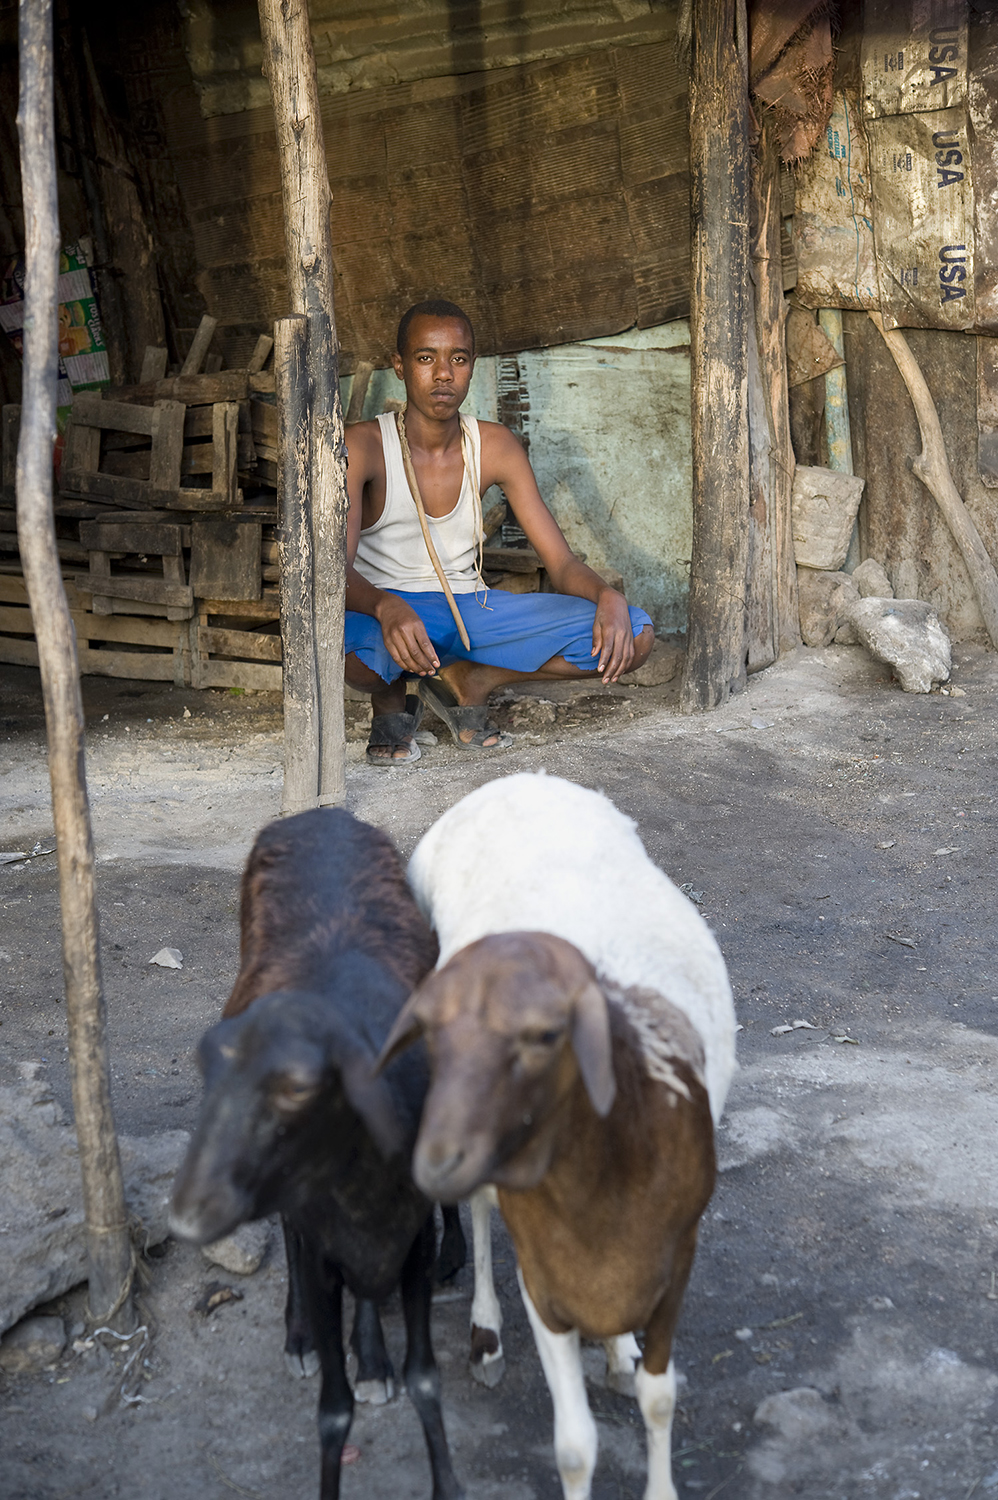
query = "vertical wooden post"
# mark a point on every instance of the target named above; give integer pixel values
(108, 1243)
(289, 64)
(719, 310)
(294, 490)
(773, 623)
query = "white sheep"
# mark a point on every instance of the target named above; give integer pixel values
(577, 1062)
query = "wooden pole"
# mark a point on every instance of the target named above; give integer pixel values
(301, 704)
(289, 63)
(932, 468)
(773, 617)
(109, 1247)
(719, 312)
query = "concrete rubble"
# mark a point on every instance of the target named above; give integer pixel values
(42, 1240)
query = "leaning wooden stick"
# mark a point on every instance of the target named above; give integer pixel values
(932, 468)
(109, 1249)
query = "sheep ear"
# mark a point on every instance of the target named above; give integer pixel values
(593, 1052)
(372, 1099)
(408, 1028)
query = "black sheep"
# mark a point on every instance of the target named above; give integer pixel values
(294, 1120)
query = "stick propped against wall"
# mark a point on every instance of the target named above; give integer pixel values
(932, 468)
(109, 1250)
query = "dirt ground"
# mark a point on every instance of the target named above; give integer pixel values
(838, 1337)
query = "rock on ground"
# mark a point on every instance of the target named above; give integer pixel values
(872, 581)
(42, 1243)
(664, 661)
(33, 1344)
(825, 601)
(242, 1251)
(907, 634)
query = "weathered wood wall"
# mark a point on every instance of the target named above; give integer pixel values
(551, 197)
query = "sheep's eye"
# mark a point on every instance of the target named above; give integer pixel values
(543, 1038)
(290, 1099)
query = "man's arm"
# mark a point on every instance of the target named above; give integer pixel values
(404, 632)
(505, 463)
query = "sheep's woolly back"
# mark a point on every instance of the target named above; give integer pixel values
(536, 853)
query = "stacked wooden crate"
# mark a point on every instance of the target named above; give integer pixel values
(169, 506)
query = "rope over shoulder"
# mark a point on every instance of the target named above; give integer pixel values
(467, 456)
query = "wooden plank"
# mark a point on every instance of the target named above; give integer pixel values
(224, 433)
(154, 362)
(239, 643)
(192, 390)
(89, 410)
(81, 451)
(18, 653)
(242, 674)
(268, 608)
(15, 621)
(140, 666)
(130, 586)
(199, 347)
(127, 629)
(261, 354)
(265, 421)
(225, 559)
(128, 536)
(167, 445)
(12, 590)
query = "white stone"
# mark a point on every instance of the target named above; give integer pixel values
(872, 581)
(42, 1240)
(824, 509)
(907, 634)
(242, 1251)
(33, 1344)
(168, 958)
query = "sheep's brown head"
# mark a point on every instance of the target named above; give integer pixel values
(511, 1023)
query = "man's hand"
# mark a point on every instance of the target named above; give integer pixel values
(405, 636)
(613, 635)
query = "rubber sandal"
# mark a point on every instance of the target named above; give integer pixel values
(446, 707)
(398, 731)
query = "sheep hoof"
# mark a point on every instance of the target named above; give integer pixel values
(621, 1381)
(301, 1366)
(488, 1370)
(374, 1392)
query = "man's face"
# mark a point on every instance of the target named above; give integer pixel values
(437, 365)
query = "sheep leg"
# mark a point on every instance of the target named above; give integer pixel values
(299, 1348)
(575, 1439)
(622, 1356)
(453, 1250)
(655, 1381)
(422, 1378)
(488, 1364)
(375, 1381)
(323, 1285)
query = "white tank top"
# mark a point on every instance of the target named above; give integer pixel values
(392, 554)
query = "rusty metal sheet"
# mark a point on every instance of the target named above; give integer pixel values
(914, 56)
(833, 217)
(923, 219)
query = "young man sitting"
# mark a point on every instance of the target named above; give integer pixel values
(400, 620)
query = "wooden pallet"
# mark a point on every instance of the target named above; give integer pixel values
(161, 648)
